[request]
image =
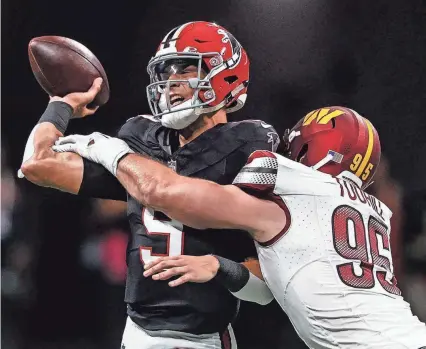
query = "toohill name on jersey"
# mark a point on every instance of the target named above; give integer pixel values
(217, 155)
(331, 267)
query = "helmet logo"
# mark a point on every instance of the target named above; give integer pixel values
(323, 116)
(190, 49)
(172, 164)
(274, 139)
(215, 61)
(209, 94)
(225, 38)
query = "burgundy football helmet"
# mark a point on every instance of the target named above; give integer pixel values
(337, 141)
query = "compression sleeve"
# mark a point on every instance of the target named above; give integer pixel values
(99, 183)
(242, 283)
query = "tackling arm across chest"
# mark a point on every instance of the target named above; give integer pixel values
(217, 206)
(199, 203)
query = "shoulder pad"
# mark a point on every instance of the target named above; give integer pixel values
(138, 132)
(142, 119)
(258, 130)
(137, 124)
(260, 172)
(149, 117)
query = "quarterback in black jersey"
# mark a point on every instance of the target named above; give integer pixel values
(199, 74)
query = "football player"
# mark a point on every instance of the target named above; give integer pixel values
(322, 241)
(198, 76)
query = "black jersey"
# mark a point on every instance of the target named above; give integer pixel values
(217, 155)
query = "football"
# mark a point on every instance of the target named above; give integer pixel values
(62, 65)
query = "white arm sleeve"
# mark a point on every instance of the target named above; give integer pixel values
(29, 149)
(255, 291)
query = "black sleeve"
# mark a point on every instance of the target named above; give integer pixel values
(234, 276)
(99, 183)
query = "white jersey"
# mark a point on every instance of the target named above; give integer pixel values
(331, 269)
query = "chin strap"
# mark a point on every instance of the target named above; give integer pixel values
(206, 110)
(331, 156)
(338, 158)
(180, 119)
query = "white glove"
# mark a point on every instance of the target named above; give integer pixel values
(96, 147)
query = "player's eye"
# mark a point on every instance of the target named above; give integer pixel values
(190, 69)
(176, 67)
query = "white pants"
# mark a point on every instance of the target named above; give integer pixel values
(135, 337)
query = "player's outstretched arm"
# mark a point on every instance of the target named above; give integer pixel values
(41, 165)
(66, 171)
(198, 203)
(44, 167)
(194, 202)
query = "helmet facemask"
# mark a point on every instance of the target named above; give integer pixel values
(161, 68)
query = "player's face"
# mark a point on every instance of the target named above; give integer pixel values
(183, 70)
(181, 91)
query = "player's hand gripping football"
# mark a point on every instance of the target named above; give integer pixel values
(79, 100)
(197, 269)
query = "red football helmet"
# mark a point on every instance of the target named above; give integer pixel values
(337, 141)
(223, 70)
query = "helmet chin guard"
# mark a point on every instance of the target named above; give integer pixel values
(184, 114)
(178, 120)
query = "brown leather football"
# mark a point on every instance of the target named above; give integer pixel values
(62, 65)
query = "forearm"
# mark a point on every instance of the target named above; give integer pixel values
(52, 125)
(41, 165)
(157, 186)
(153, 184)
(134, 172)
(185, 199)
(59, 171)
(45, 135)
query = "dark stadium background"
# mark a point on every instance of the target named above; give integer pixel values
(62, 256)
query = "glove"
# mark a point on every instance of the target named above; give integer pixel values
(96, 147)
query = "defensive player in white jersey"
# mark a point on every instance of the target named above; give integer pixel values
(323, 243)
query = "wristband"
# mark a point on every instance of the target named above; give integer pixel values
(234, 276)
(59, 114)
